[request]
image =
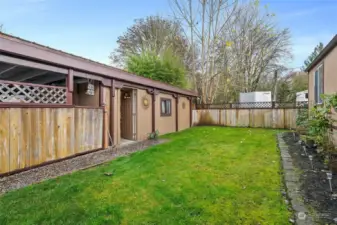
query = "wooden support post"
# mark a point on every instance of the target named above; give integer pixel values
(153, 112)
(177, 109)
(190, 100)
(103, 105)
(153, 93)
(70, 86)
(112, 112)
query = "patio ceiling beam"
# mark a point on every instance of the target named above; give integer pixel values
(48, 79)
(76, 81)
(31, 64)
(28, 75)
(6, 70)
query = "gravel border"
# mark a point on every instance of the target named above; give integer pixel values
(42, 173)
(293, 185)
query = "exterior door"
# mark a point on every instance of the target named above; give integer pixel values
(126, 115)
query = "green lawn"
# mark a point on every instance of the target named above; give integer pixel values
(204, 175)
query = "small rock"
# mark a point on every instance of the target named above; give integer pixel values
(291, 221)
(335, 220)
(286, 201)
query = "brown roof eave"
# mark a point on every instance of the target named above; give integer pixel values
(17, 46)
(330, 46)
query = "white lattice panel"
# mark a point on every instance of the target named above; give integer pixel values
(30, 93)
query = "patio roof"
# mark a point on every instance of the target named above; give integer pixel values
(11, 46)
(20, 73)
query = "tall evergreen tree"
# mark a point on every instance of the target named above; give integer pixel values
(313, 55)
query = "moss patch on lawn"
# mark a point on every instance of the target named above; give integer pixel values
(204, 175)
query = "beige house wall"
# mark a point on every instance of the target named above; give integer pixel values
(183, 113)
(144, 115)
(330, 80)
(82, 99)
(165, 124)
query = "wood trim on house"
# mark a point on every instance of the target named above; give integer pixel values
(28, 63)
(105, 81)
(327, 49)
(102, 104)
(153, 92)
(40, 105)
(176, 97)
(70, 86)
(112, 112)
(191, 111)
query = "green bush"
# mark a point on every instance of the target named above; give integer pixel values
(153, 135)
(321, 121)
(167, 67)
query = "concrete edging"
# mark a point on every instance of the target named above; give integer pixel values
(293, 185)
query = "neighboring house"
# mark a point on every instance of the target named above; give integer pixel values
(302, 96)
(55, 105)
(256, 99)
(323, 75)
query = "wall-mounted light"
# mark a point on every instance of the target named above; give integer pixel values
(90, 88)
(126, 95)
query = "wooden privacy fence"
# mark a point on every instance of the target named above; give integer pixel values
(266, 118)
(32, 136)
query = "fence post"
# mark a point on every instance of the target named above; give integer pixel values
(273, 105)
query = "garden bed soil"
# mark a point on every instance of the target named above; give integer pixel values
(39, 174)
(315, 188)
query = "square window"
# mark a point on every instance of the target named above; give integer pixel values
(165, 107)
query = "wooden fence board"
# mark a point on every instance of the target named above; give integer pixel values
(242, 117)
(26, 135)
(4, 143)
(15, 138)
(266, 118)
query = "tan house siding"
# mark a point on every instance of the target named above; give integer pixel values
(183, 113)
(165, 124)
(144, 115)
(330, 79)
(82, 99)
(329, 73)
